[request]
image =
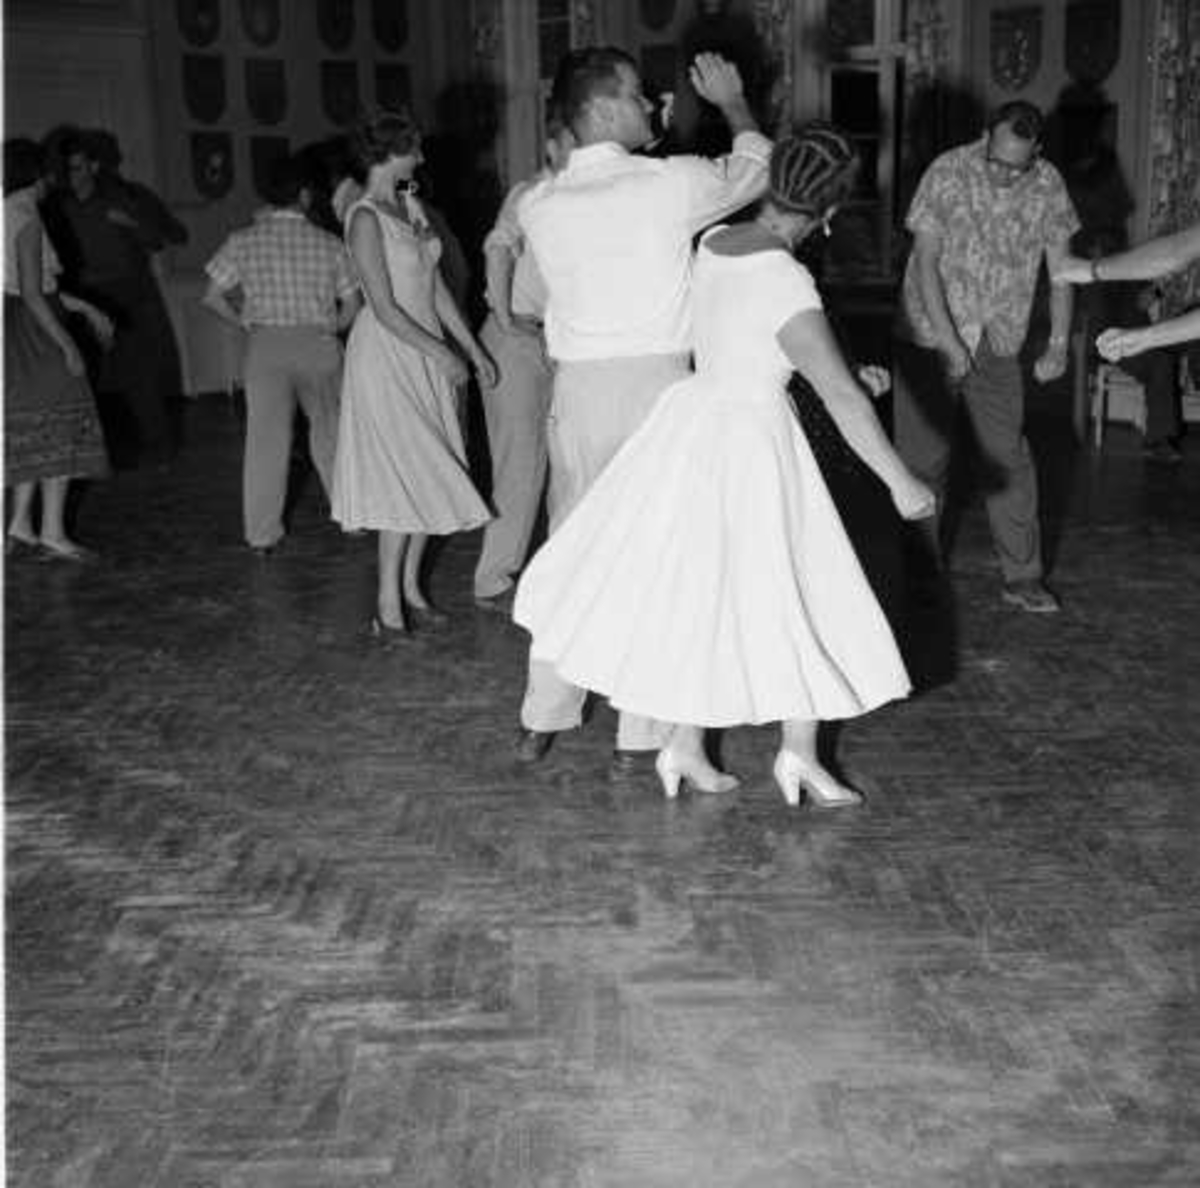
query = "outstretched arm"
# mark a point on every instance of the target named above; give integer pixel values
(1115, 344)
(1148, 261)
(809, 343)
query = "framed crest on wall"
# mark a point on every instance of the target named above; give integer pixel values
(656, 14)
(199, 20)
(266, 89)
(212, 163)
(261, 19)
(393, 87)
(204, 86)
(1016, 46)
(339, 91)
(335, 23)
(389, 22)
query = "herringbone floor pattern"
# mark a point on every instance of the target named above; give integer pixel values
(281, 913)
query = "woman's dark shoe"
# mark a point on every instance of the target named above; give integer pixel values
(429, 616)
(387, 631)
(66, 550)
(19, 542)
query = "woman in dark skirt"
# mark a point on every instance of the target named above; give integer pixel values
(51, 429)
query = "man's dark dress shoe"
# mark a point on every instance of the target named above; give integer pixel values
(531, 745)
(630, 765)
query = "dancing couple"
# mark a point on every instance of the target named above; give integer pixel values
(703, 579)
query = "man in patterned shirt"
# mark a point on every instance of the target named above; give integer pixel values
(983, 217)
(290, 285)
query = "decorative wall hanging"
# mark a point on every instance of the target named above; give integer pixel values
(393, 88)
(1093, 39)
(389, 20)
(266, 89)
(335, 23)
(265, 151)
(1016, 46)
(204, 86)
(339, 91)
(260, 19)
(657, 14)
(212, 163)
(199, 20)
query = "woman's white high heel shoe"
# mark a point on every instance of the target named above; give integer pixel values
(821, 790)
(673, 769)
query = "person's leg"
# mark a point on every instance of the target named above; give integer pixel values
(318, 387)
(797, 765)
(388, 603)
(54, 507)
(410, 582)
(270, 410)
(596, 406)
(924, 410)
(20, 527)
(683, 758)
(995, 401)
(54, 538)
(515, 411)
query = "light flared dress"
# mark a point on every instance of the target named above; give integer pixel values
(706, 577)
(400, 463)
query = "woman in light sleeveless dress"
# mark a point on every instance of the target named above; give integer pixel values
(401, 465)
(52, 431)
(706, 579)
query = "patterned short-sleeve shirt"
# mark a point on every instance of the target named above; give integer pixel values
(991, 242)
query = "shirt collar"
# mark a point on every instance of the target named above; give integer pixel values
(591, 154)
(279, 212)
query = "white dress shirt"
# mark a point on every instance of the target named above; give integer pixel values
(612, 235)
(528, 296)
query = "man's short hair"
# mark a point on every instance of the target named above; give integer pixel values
(584, 75)
(286, 177)
(1022, 118)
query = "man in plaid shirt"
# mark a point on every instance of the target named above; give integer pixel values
(290, 285)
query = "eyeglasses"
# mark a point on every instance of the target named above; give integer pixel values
(1008, 168)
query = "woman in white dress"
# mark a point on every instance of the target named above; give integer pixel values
(401, 466)
(706, 579)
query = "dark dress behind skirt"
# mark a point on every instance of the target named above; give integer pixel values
(51, 428)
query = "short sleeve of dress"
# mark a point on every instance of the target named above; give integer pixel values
(790, 290)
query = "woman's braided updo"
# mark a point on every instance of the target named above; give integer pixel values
(812, 169)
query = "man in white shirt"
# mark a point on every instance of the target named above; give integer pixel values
(515, 407)
(612, 236)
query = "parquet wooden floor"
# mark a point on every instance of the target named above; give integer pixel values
(281, 913)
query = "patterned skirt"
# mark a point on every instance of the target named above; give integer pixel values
(51, 428)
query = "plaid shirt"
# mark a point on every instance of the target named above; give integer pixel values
(291, 272)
